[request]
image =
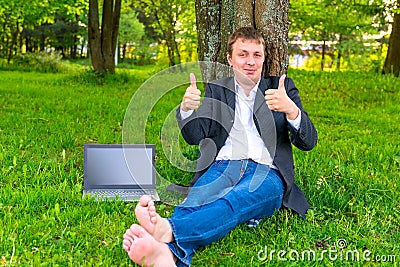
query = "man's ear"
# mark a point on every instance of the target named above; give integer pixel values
(228, 57)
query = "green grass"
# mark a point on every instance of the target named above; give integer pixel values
(351, 178)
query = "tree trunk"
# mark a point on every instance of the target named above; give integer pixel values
(169, 36)
(208, 15)
(392, 62)
(323, 55)
(42, 41)
(95, 37)
(216, 19)
(106, 36)
(272, 18)
(339, 56)
(227, 21)
(20, 42)
(74, 48)
(27, 45)
(3, 37)
(13, 43)
(123, 52)
(103, 41)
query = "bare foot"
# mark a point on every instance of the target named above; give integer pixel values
(146, 214)
(153, 223)
(144, 250)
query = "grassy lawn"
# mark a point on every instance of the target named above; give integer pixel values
(351, 178)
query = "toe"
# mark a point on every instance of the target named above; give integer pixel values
(126, 244)
(152, 208)
(144, 200)
(128, 234)
(138, 231)
(153, 218)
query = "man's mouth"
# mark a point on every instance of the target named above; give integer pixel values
(250, 71)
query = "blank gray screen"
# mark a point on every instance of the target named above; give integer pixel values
(118, 166)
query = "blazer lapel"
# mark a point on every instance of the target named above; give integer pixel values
(264, 117)
(260, 97)
(230, 96)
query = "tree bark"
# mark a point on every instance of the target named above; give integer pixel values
(392, 62)
(115, 25)
(227, 23)
(323, 56)
(244, 16)
(123, 52)
(106, 36)
(95, 37)
(208, 22)
(272, 18)
(13, 44)
(209, 33)
(103, 40)
(216, 19)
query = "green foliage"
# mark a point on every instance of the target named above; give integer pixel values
(130, 28)
(25, 27)
(40, 61)
(328, 20)
(145, 52)
(172, 23)
(351, 178)
(351, 26)
(63, 35)
(368, 61)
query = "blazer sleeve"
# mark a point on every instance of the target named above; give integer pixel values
(305, 138)
(196, 127)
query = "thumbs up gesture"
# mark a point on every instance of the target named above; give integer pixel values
(191, 99)
(278, 100)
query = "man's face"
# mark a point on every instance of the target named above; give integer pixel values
(247, 60)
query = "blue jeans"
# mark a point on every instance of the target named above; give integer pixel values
(228, 194)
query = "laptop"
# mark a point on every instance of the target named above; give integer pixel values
(124, 172)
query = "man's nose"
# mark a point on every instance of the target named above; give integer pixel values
(250, 60)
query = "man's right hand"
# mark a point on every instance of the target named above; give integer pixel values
(191, 99)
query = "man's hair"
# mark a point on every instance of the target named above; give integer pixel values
(246, 33)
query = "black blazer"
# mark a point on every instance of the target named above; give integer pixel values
(209, 127)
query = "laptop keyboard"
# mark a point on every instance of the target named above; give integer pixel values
(125, 195)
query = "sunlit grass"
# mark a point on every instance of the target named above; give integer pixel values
(351, 178)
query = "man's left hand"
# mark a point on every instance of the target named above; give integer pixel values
(278, 100)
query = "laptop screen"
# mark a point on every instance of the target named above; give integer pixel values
(119, 166)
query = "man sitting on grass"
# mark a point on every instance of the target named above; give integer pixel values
(245, 127)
